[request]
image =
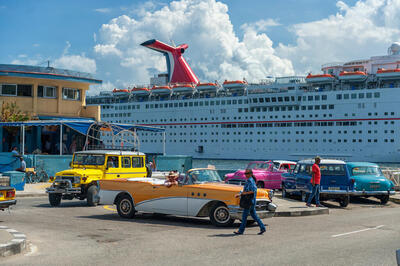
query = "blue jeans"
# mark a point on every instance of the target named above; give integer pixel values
(253, 214)
(314, 193)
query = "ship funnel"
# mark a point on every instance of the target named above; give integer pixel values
(178, 69)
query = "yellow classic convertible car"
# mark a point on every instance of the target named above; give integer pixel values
(199, 193)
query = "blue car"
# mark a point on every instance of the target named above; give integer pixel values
(339, 181)
(335, 181)
(369, 181)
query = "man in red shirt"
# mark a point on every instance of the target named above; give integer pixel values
(315, 182)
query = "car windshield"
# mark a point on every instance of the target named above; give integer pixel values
(258, 165)
(366, 170)
(89, 159)
(203, 176)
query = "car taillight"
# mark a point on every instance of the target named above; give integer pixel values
(352, 180)
(10, 194)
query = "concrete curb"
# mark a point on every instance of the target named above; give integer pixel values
(15, 246)
(301, 213)
(30, 195)
(395, 200)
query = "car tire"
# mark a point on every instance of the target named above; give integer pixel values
(92, 193)
(285, 194)
(344, 201)
(260, 184)
(125, 207)
(384, 199)
(220, 216)
(303, 196)
(55, 199)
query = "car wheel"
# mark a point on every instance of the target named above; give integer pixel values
(384, 199)
(55, 199)
(125, 207)
(260, 184)
(344, 201)
(303, 196)
(92, 193)
(284, 192)
(220, 216)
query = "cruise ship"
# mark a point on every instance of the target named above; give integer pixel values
(349, 111)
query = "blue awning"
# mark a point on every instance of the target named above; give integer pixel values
(83, 126)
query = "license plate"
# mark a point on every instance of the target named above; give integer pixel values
(334, 188)
(374, 186)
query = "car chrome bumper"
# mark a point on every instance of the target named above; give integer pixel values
(236, 212)
(63, 187)
(372, 193)
(7, 203)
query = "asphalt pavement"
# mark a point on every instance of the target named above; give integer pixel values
(364, 233)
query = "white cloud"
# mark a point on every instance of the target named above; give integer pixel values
(26, 61)
(103, 10)
(215, 51)
(76, 63)
(96, 89)
(355, 32)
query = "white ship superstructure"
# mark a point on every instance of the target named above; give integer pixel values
(351, 112)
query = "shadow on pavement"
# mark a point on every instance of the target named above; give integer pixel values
(157, 219)
(65, 204)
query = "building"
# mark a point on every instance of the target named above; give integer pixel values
(44, 93)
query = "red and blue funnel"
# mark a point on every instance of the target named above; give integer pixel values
(178, 69)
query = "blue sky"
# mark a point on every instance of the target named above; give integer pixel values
(253, 38)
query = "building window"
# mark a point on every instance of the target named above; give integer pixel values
(47, 92)
(9, 89)
(71, 94)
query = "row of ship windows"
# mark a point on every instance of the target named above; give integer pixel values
(270, 140)
(256, 133)
(288, 108)
(245, 101)
(347, 96)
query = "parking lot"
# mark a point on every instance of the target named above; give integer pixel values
(365, 233)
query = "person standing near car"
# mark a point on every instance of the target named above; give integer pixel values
(250, 188)
(315, 182)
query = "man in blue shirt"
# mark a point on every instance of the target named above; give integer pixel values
(250, 188)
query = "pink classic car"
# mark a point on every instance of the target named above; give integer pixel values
(267, 173)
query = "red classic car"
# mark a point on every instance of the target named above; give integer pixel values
(267, 173)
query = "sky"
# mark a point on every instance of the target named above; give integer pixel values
(228, 39)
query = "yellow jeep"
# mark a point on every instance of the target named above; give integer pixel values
(88, 167)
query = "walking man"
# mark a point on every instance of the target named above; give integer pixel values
(315, 182)
(250, 188)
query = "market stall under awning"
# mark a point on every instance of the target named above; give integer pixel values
(83, 127)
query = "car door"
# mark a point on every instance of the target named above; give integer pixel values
(170, 200)
(290, 179)
(303, 177)
(113, 167)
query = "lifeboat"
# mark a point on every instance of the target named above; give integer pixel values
(388, 73)
(161, 90)
(142, 91)
(234, 84)
(182, 88)
(319, 78)
(207, 87)
(120, 91)
(352, 76)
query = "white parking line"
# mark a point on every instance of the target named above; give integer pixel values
(358, 231)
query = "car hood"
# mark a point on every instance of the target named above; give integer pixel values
(79, 172)
(240, 173)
